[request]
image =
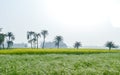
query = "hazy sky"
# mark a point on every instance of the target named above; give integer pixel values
(93, 22)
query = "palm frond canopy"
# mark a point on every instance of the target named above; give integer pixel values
(77, 44)
(110, 44)
(44, 33)
(58, 38)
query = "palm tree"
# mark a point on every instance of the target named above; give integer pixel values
(58, 39)
(10, 39)
(34, 42)
(30, 37)
(110, 45)
(10, 43)
(35, 38)
(2, 38)
(10, 35)
(44, 34)
(77, 44)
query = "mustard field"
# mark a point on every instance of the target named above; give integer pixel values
(55, 51)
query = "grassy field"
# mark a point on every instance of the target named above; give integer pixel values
(60, 64)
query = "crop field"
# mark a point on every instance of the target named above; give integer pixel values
(56, 51)
(59, 62)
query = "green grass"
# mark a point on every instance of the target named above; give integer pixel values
(60, 64)
(56, 51)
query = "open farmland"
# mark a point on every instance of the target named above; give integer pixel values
(60, 64)
(56, 51)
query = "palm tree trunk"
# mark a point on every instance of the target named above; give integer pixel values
(58, 44)
(8, 45)
(31, 44)
(34, 45)
(0, 46)
(3, 45)
(9, 38)
(109, 48)
(43, 43)
(37, 43)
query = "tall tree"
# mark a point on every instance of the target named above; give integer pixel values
(37, 35)
(2, 38)
(10, 39)
(35, 39)
(77, 44)
(34, 42)
(44, 34)
(110, 45)
(58, 39)
(30, 35)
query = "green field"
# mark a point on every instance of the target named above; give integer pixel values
(23, 62)
(56, 51)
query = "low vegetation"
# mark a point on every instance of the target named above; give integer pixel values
(60, 64)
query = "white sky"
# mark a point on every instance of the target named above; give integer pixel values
(93, 22)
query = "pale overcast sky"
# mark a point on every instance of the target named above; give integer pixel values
(93, 22)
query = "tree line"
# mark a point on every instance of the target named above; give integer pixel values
(33, 38)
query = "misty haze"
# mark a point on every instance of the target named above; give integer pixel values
(59, 37)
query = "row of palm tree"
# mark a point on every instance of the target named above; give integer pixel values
(33, 40)
(33, 37)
